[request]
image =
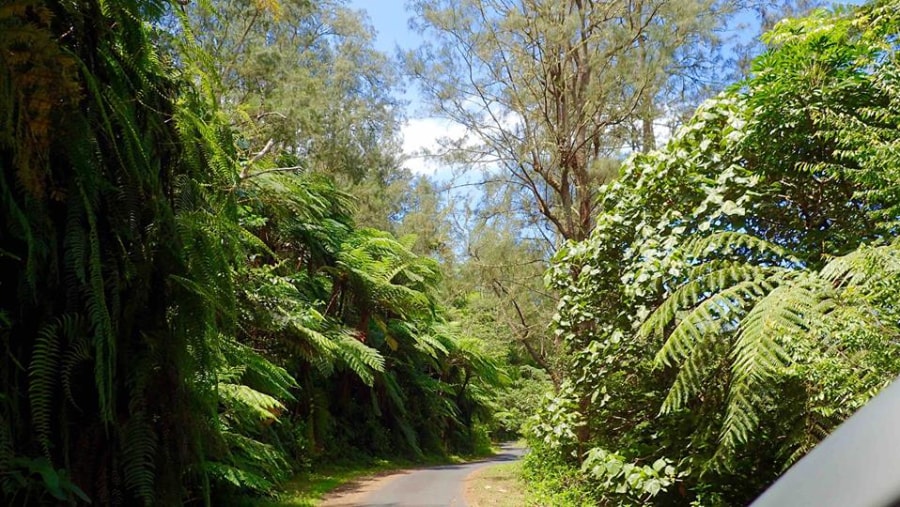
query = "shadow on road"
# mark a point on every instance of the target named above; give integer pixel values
(508, 452)
(437, 486)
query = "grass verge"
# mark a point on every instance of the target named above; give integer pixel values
(497, 486)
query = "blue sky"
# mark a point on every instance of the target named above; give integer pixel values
(390, 18)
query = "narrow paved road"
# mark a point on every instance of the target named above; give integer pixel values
(440, 486)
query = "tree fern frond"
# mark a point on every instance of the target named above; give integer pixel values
(321, 345)
(75, 244)
(198, 288)
(239, 476)
(409, 435)
(741, 418)
(359, 357)
(324, 366)
(258, 371)
(394, 392)
(710, 316)
(79, 351)
(860, 266)
(705, 356)
(432, 344)
(704, 279)
(729, 242)
(483, 368)
(256, 455)
(249, 405)
(100, 318)
(784, 314)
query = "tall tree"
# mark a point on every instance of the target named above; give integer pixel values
(307, 91)
(548, 90)
(551, 94)
(751, 235)
(505, 272)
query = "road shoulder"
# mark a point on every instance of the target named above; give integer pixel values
(496, 486)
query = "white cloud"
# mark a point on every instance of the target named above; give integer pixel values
(421, 141)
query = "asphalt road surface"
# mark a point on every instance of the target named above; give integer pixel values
(440, 486)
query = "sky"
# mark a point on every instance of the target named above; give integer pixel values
(389, 17)
(420, 132)
(390, 20)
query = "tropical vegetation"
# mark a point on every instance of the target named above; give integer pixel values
(184, 323)
(676, 268)
(735, 301)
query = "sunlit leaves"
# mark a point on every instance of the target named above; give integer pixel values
(749, 266)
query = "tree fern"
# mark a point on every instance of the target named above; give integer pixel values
(781, 316)
(704, 279)
(251, 464)
(433, 344)
(394, 392)
(239, 476)
(770, 310)
(78, 353)
(247, 404)
(730, 243)
(363, 360)
(375, 261)
(258, 371)
(710, 317)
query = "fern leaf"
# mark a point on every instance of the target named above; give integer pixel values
(78, 352)
(258, 371)
(724, 307)
(707, 278)
(729, 242)
(248, 404)
(705, 356)
(432, 344)
(138, 453)
(758, 354)
(360, 358)
(42, 381)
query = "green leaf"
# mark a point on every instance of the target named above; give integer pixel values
(659, 464)
(652, 487)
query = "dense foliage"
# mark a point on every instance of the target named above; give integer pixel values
(210, 285)
(181, 321)
(114, 242)
(736, 300)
